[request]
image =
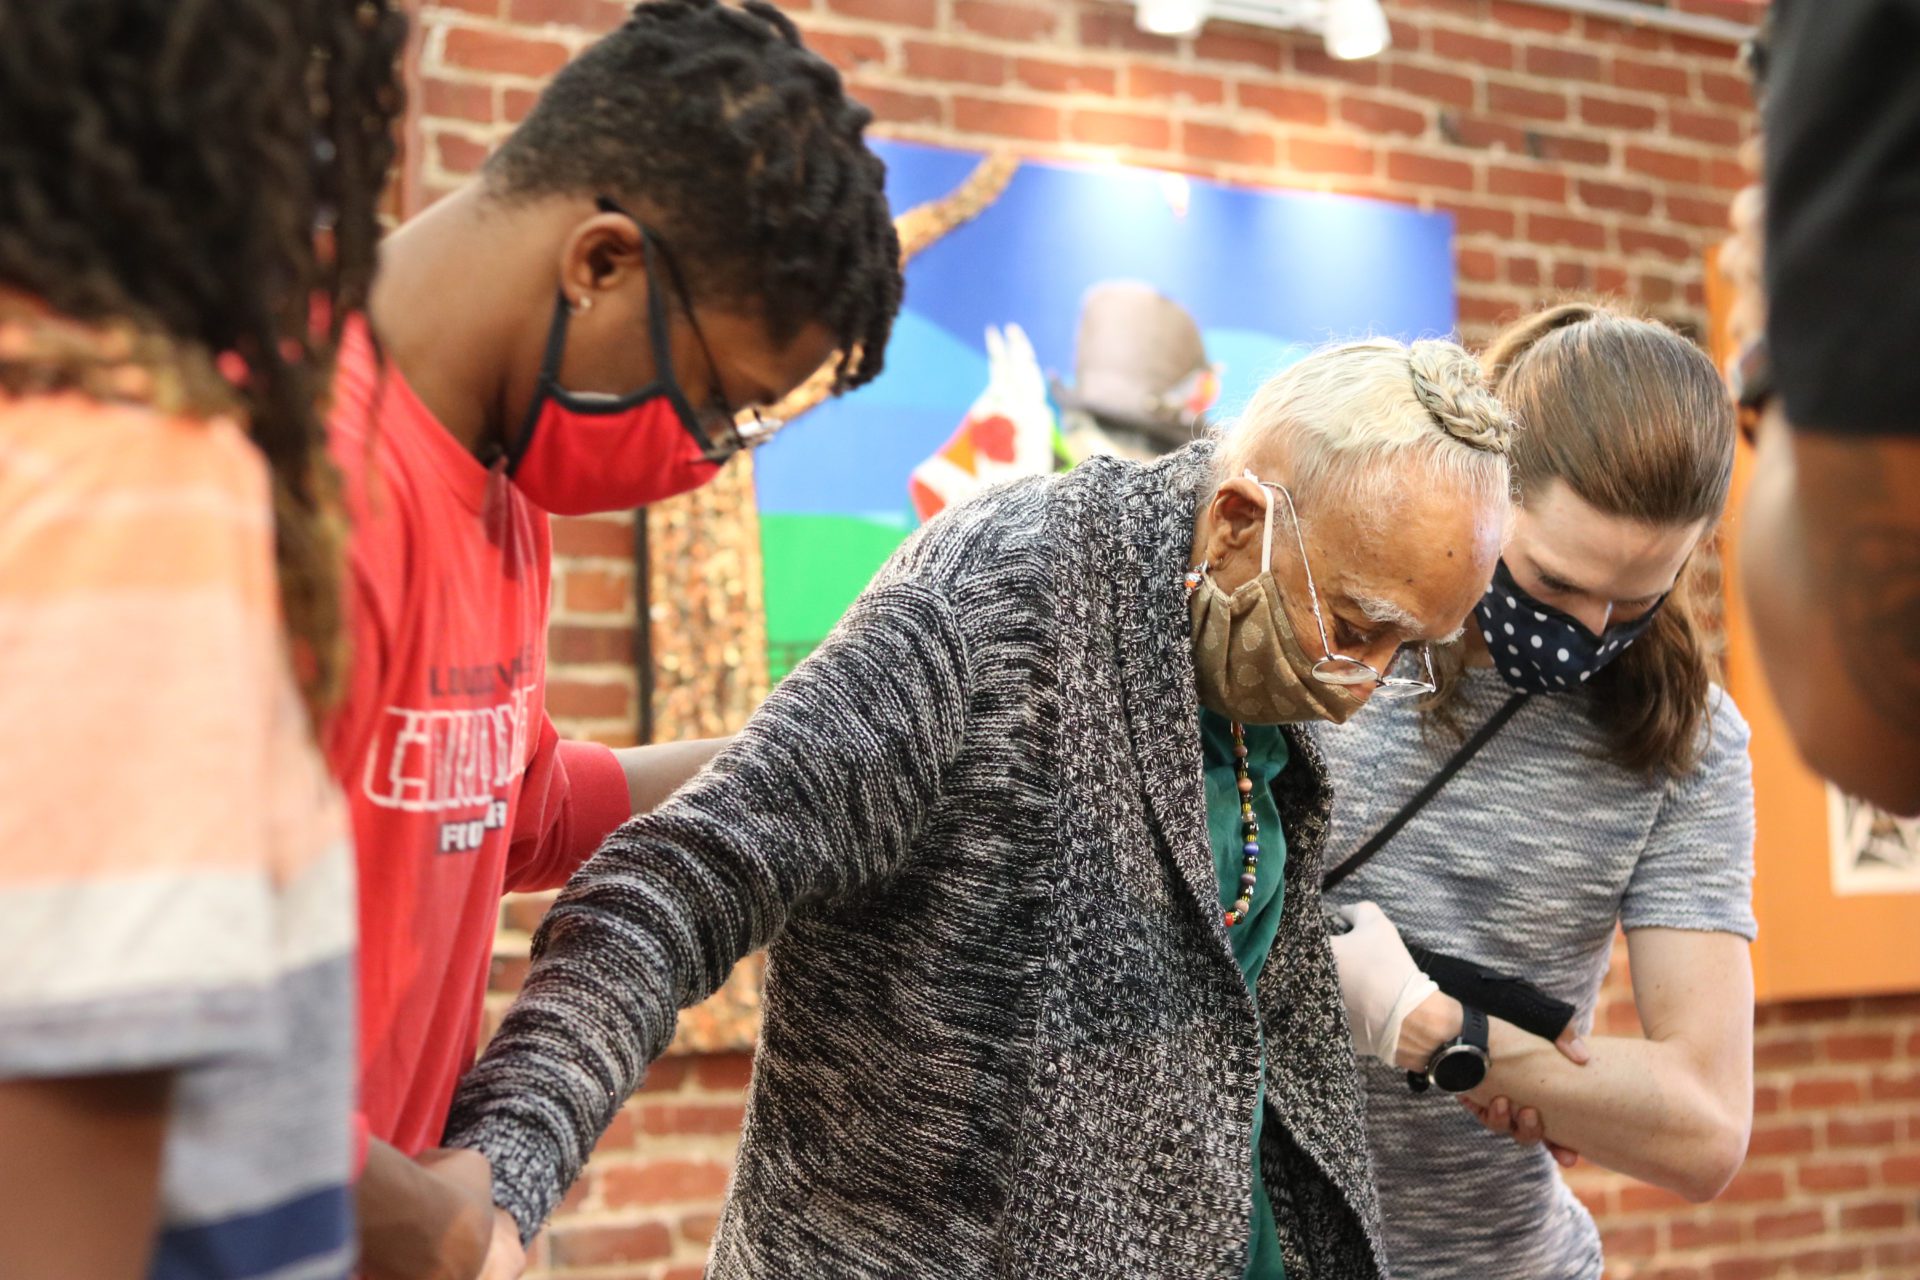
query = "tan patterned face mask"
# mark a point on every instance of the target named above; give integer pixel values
(1247, 661)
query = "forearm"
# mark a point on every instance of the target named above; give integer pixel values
(657, 770)
(86, 1200)
(413, 1226)
(1641, 1107)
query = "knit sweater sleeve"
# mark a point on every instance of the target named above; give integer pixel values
(818, 797)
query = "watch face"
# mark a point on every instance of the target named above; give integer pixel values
(1460, 1068)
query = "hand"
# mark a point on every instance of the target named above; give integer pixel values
(1524, 1126)
(464, 1170)
(1379, 982)
(426, 1218)
(506, 1259)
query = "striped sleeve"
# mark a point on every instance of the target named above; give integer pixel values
(138, 629)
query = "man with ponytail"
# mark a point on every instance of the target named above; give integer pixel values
(1594, 776)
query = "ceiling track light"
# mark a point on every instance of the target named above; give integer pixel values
(1350, 28)
(1170, 17)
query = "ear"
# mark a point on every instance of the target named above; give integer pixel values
(1238, 517)
(601, 253)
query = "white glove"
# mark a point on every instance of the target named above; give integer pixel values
(1379, 981)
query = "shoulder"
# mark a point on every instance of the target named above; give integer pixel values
(977, 540)
(1726, 735)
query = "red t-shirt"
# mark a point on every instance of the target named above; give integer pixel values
(458, 785)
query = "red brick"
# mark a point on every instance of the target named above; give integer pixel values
(1429, 171)
(675, 1119)
(1310, 60)
(1728, 175)
(1752, 1186)
(1880, 1215)
(1700, 213)
(723, 1071)
(1465, 46)
(593, 536)
(891, 106)
(898, 13)
(1109, 26)
(1805, 1011)
(1846, 1131)
(1476, 310)
(567, 643)
(484, 8)
(1571, 275)
(1249, 50)
(1727, 10)
(1673, 166)
(1066, 77)
(1897, 1253)
(1638, 1197)
(1570, 150)
(954, 63)
(458, 153)
(1652, 77)
(1702, 126)
(1549, 228)
(649, 1182)
(1616, 198)
(1822, 1092)
(1556, 63)
(1746, 1268)
(1284, 102)
(1147, 81)
(1633, 242)
(1006, 21)
(849, 53)
(1616, 113)
(1795, 1225)
(589, 700)
(1375, 116)
(1523, 269)
(695, 1272)
(1531, 184)
(1848, 1175)
(1509, 16)
(1526, 104)
(1830, 1261)
(1867, 1046)
(507, 974)
(1894, 1088)
(456, 100)
(1439, 86)
(1901, 1171)
(1781, 1055)
(1483, 134)
(1767, 1099)
(1477, 264)
(1638, 1241)
(698, 1228)
(584, 15)
(1794, 1139)
(1726, 88)
(1309, 155)
(620, 1132)
(1227, 146)
(515, 103)
(667, 1075)
(598, 590)
(504, 54)
(1120, 129)
(1687, 1234)
(1598, 1199)
(1479, 219)
(1007, 119)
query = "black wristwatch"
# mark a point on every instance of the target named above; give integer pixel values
(1462, 1062)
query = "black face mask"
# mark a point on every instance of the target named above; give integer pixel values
(1539, 649)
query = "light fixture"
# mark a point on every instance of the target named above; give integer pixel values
(1170, 17)
(1355, 29)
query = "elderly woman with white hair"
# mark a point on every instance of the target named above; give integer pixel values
(1035, 844)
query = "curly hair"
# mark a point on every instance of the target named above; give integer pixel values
(746, 153)
(202, 179)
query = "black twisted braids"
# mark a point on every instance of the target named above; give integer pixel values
(745, 149)
(202, 178)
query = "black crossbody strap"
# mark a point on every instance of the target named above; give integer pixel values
(1468, 750)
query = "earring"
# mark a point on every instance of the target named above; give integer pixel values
(582, 304)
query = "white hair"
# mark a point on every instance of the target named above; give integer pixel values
(1346, 415)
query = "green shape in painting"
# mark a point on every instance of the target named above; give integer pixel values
(815, 565)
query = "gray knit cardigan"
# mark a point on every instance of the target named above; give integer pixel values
(1004, 1033)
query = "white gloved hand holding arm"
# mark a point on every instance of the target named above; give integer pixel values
(1379, 982)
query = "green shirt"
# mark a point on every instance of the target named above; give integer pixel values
(1252, 938)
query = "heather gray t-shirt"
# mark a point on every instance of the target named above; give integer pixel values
(1523, 863)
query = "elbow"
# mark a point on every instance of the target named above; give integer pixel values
(1717, 1154)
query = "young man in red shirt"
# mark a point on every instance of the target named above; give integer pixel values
(687, 224)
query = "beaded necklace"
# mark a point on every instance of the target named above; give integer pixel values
(1249, 827)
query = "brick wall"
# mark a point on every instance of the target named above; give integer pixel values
(1575, 154)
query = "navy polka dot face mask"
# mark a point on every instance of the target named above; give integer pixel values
(1539, 649)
